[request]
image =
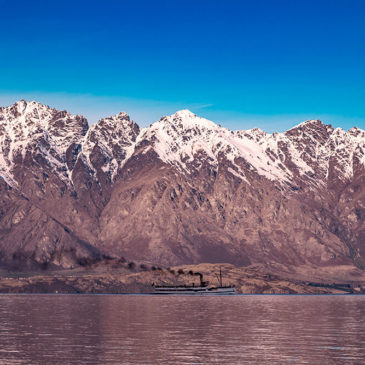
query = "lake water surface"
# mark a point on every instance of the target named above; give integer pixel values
(142, 329)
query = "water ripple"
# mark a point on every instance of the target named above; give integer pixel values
(86, 329)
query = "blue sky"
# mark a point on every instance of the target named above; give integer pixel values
(242, 64)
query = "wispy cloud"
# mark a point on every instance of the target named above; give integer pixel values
(203, 106)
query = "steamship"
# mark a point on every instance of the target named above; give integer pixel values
(203, 289)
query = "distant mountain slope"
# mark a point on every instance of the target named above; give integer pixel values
(183, 190)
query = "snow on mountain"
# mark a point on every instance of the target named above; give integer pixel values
(32, 128)
(180, 138)
(177, 138)
(111, 138)
(328, 150)
(345, 148)
(310, 151)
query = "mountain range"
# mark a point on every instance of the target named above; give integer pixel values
(182, 191)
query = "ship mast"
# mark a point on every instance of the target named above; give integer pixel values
(219, 278)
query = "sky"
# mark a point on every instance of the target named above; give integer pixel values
(242, 64)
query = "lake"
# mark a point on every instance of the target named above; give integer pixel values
(144, 329)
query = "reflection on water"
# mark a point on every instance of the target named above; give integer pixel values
(121, 329)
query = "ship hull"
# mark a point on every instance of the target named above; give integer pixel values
(194, 291)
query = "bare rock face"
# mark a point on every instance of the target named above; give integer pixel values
(194, 191)
(181, 191)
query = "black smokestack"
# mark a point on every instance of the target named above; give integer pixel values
(200, 276)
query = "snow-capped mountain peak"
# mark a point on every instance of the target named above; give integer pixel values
(31, 128)
(184, 120)
(108, 142)
(308, 123)
(310, 151)
(184, 113)
(184, 140)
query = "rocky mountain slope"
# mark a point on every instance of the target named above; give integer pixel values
(183, 190)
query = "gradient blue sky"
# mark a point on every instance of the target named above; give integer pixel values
(242, 64)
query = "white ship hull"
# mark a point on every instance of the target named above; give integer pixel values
(194, 290)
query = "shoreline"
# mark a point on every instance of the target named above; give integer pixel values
(104, 279)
